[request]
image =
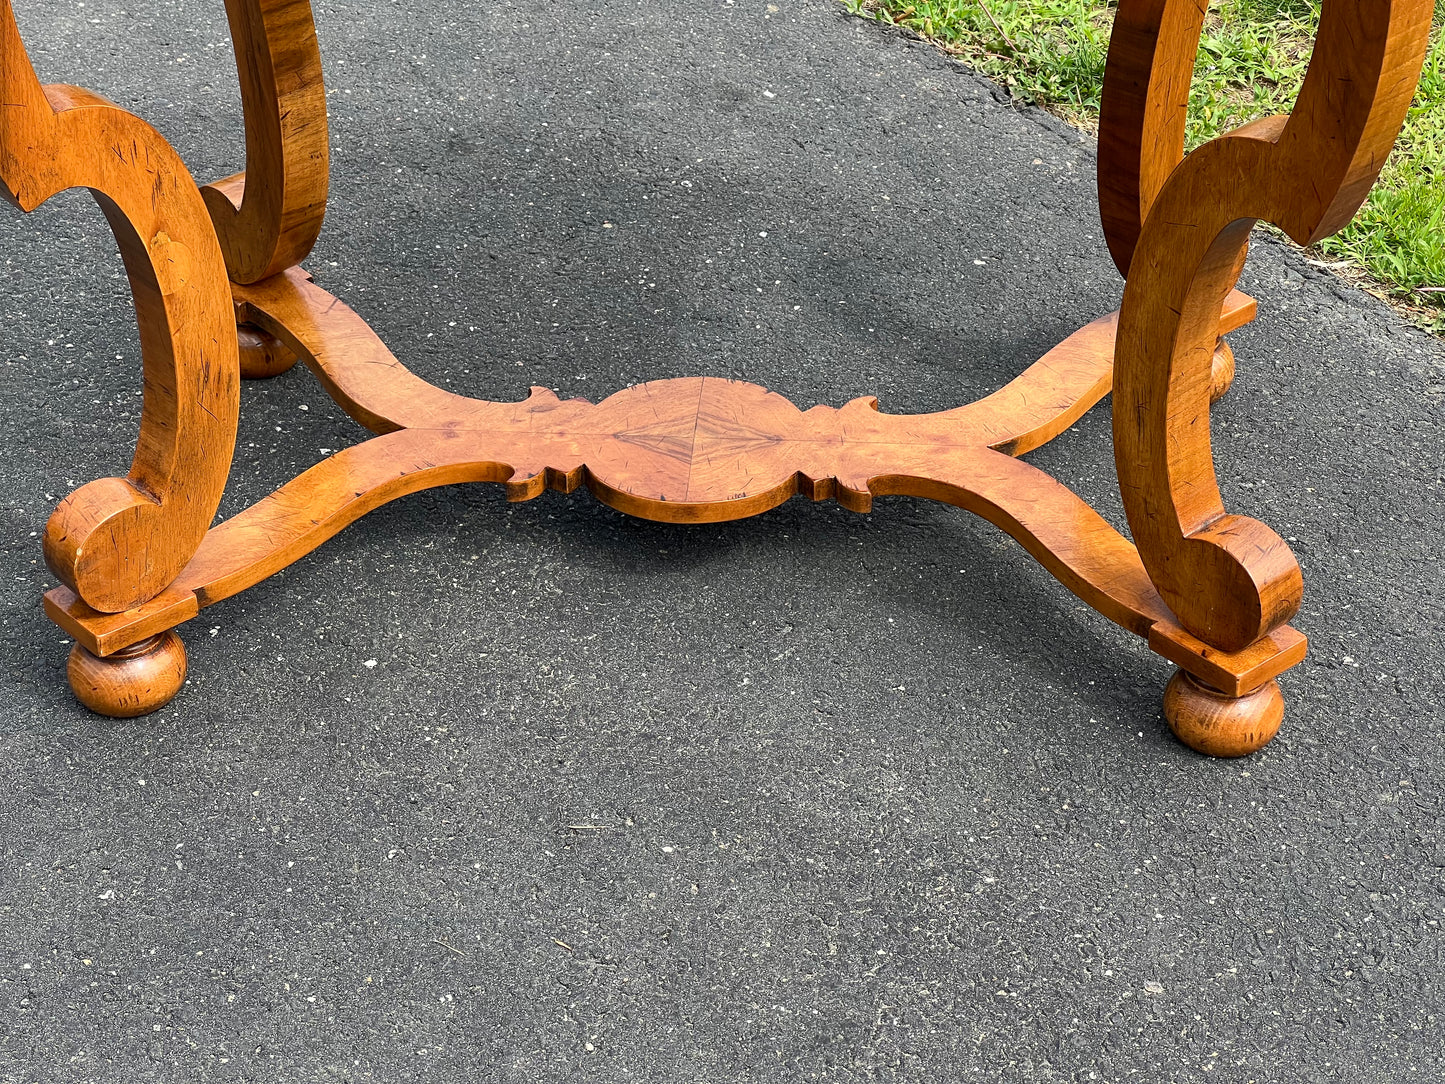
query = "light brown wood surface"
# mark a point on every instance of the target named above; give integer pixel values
(1208, 590)
(269, 216)
(1229, 579)
(119, 541)
(1220, 725)
(692, 450)
(136, 680)
(263, 356)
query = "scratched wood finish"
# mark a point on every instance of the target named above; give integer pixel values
(136, 680)
(269, 216)
(117, 542)
(1229, 579)
(1209, 591)
(691, 450)
(1219, 724)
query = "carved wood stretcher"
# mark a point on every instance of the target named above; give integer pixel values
(220, 296)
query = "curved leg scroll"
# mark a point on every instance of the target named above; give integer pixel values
(269, 216)
(119, 541)
(1180, 232)
(695, 450)
(1210, 591)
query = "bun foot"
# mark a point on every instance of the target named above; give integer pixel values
(1221, 372)
(1217, 725)
(136, 680)
(262, 355)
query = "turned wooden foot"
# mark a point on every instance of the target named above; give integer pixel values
(262, 355)
(1219, 725)
(1210, 590)
(1221, 372)
(136, 680)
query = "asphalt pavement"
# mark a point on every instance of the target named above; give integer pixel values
(491, 792)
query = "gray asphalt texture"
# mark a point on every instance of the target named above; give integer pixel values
(877, 799)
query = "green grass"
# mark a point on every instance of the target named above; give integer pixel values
(1252, 60)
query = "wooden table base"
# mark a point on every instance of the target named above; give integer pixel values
(1210, 591)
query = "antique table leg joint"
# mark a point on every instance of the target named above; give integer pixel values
(1208, 590)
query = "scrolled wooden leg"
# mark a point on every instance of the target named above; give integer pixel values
(118, 542)
(262, 355)
(1179, 228)
(136, 680)
(1219, 725)
(268, 216)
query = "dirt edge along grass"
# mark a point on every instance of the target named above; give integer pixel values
(1252, 59)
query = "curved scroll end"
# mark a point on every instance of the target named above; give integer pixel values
(1229, 579)
(1357, 91)
(26, 119)
(101, 542)
(1233, 582)
(864, 403)
(268, 217)
(1143, 112)
(117, 542)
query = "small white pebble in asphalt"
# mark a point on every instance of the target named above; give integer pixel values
(667, 850)
(1153, 988)
(769, 94)
(370, 664)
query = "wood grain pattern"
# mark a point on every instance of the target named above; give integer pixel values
(1228, 578)
(263, 356)
(693, 450)
(269, 216)
(349, 359)
(135, 681)
(1143, 112)
(367, 380)
(1221, 725)
(119, 541)
(1208, 590)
